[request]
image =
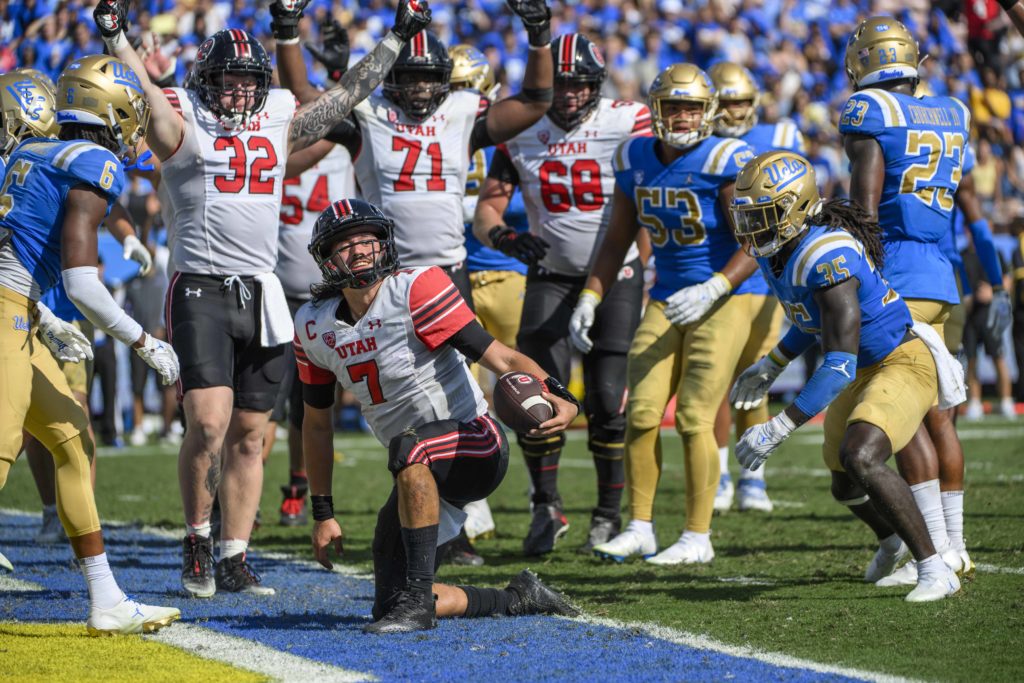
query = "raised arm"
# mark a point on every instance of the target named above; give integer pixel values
(291, 67)
(315, 119)
(511, 116)
(165, 125)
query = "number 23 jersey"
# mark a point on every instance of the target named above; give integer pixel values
(395, 358)
(225, 187)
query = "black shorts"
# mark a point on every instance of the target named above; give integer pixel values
(289, 393)
(216, 335)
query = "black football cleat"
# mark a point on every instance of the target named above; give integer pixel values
(547, 526)
(411, 611)
(197, 567)
(531, 596)
(602, 530)
(236, 575)
(460, 552)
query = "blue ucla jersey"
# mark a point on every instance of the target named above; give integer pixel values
(56, 299)
(825, 258)
(679, 205)
(765, 137)
(923, 142)
(40, 173)
(479, 257)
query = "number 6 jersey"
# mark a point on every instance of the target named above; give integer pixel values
(395, 358)
(225, 187)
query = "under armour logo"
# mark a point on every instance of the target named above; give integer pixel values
(841, 369)
(197, 292)
(373, 324)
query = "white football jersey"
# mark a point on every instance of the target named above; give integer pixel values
(394, 359)
(302, 200)
(567, 180)
(225, 187)
(416, 173)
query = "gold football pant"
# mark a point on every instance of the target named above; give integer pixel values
(498, 301)
(695, 363)
(34, 395)
(894, 395)
(765, 316)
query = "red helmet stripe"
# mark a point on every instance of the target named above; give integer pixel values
(567, 61)
(419, 48)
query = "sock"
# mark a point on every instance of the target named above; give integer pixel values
(953, 511)
(723, 457)
(891, 544)
(931, 566)
(752, 475)
(202, 530)
(695, 536)
(486, 602)
(611, 476)
(229, 547)
(298, 478)
(104, 592)
(420, 550)
(642, 527)
(542, 454)
(926, 495)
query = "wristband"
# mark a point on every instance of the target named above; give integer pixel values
(777, 357)
(538, 94)
(116, 42)
(725, 281)
(323, 508)
(555, 388)
(590, 292)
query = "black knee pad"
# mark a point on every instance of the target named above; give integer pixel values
(540, 446)
(606, 443)
(399, 448)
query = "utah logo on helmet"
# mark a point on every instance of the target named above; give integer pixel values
(235, 52)
(881, 49)
(775, 193)
(578, 62)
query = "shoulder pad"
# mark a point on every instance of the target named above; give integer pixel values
(727, 157)
(92, 165)
(827, 259)
(870, 112)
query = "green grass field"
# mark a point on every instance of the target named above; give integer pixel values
(788, 582)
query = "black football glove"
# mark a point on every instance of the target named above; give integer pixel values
(111, 17)
(285, 16)
(335, 53)
(412, 17)
(536, 18)
(522, 246)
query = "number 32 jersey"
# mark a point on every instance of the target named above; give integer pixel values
(567, 180)
(225, 187)
(395, 358)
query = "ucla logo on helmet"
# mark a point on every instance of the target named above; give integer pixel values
(881, 28)
(785, 171)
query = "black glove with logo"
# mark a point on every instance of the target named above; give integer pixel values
(285, 16)
(111, 17)
(412, 17)
(335, 52)
(523, 246)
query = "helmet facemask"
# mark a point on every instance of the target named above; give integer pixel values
(775, 194)
(567, 89)
(663, 123)
(246, 92)
(358, 224)
(418, 91)
(734, 122)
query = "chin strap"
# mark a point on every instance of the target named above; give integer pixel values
(118, 133)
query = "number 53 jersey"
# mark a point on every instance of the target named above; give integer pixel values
(225, 187)
(923, 142)
(395, 358)
(679, 205)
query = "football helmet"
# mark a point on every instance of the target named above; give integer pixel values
(344, 218)
(36, 73)
(682, 83)
(231, 51)
(101, 90)
(775, 193)
(422, 59)
(577, 62)
(734, 84)
(26, 109)
(881, 49)
(470, 69)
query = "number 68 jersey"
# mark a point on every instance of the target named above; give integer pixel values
(225, 187)
(395, 358)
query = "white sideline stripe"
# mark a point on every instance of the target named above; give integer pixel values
(9, 584)
(993, 569)
(253, 656)
(704, 643)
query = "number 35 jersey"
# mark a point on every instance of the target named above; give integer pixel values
(39, 175)
(825, 258)
(225, 187)
(923, 141)
(567, 180)
(679, 205)
(395, 358)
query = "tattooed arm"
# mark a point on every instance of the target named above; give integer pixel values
(315, 119)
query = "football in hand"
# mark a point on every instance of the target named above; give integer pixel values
(518, 401)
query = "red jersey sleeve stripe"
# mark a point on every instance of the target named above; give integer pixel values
(437, 318)
(172, 99)
(426, 313)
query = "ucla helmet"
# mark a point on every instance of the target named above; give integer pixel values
(881, 49)
(26, 109)
(735, 83)
(682, 83)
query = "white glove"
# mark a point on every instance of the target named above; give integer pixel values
(758, 442)
(161, 357)
(136, 251)
(65, 341)
(753, 383)
(582, 320)
(690, 304)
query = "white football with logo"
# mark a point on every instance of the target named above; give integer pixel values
(518, 401)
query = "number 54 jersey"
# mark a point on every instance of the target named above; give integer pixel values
(395, 358)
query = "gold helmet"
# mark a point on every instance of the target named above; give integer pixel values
(682, 83)
(29, 71)
(881, 49)
(100, 90)
(470, 69)
(734, 84)
(26, 110)
(775, 193)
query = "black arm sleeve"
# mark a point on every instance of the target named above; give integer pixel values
(479, 137)
(348, 135)
(502, 168)
(318, 395)
(471, 341)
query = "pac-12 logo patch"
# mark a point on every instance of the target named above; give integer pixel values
(543, 136)
(329, 338)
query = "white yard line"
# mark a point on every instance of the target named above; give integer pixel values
(993, 569)
(9, 584)
(253, 656)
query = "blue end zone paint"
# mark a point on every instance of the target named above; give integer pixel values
(318, 615)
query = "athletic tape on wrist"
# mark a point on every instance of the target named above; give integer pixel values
(116, 42)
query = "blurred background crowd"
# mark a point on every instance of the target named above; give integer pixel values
(794, 49)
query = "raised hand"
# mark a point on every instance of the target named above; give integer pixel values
(111, 17)
(335, 53)
(285, 16)
(536, 18)
(411, 17)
